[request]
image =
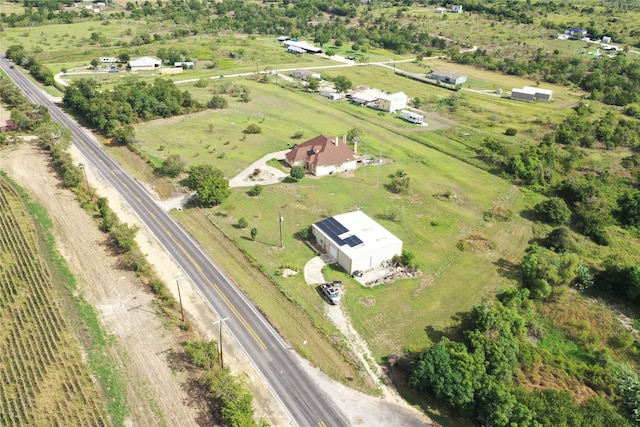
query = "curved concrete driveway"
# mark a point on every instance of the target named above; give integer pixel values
(313, 269)
(271, 174)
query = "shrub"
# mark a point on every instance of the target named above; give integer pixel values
(553, 211)
(559, 240)
(217, 102)
(511, 131)
(252, 129)
(297, 173)
(243, 223)
(256, 190)
(254, 233)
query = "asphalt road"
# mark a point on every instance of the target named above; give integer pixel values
(305, 402)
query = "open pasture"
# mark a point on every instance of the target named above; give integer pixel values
(430, 226)
(43, 379)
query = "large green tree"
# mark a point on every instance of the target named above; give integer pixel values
(209, 183)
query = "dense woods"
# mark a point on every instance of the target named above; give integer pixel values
(113, 112)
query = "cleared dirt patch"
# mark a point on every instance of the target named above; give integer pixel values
(475, 243)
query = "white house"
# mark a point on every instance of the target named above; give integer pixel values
(412, 117)
(356, 241)
(145, 63)
(393, 102)
(456, 8)
(305, 74)
(440, 10)
(323, 156)
(108, 60)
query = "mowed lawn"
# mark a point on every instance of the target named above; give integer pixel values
(451, 281)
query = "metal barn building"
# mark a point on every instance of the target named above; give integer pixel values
(356, 241)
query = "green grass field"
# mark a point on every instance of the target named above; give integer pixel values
(429, 226)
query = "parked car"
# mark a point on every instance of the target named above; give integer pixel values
(331, 293)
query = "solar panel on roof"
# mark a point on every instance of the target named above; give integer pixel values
(334, 229)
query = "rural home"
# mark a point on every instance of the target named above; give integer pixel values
(296, 50)
(356, 241)
(283, 39)
(323, 156)
(305, 74)
(576, 33)
(108, 60)
(529, 93)
(447, 77)
(440, 10)
(456, 8)
(145, 63)
(412, 117)
(393, 102)
(185, 64)
(306, 47)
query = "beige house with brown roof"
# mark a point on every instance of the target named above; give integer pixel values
(323, 156)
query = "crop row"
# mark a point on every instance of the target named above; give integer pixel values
(43, 380)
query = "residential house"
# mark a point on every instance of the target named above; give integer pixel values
(305, 74)
(356, 241)
(295, 49)
(108, 60)
(447, 77)
(283, 39)
(185, 64)
(323, 156)
(393, 102)
(440, 10)
(576, 32)
(456, 8)
(145, 63)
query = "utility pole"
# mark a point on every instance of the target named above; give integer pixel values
(281, 220)
(84, 170)
(257, 70)
(364, 161)
(220, 340)
(379, 167)
(180, 297)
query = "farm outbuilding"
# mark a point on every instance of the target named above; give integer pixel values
(529, 93)
(305, 46)
(356, 241)
(447, 77)
(146, 63)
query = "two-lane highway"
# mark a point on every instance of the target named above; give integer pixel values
(299, 394)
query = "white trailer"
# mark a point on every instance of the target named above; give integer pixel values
(412, 117)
